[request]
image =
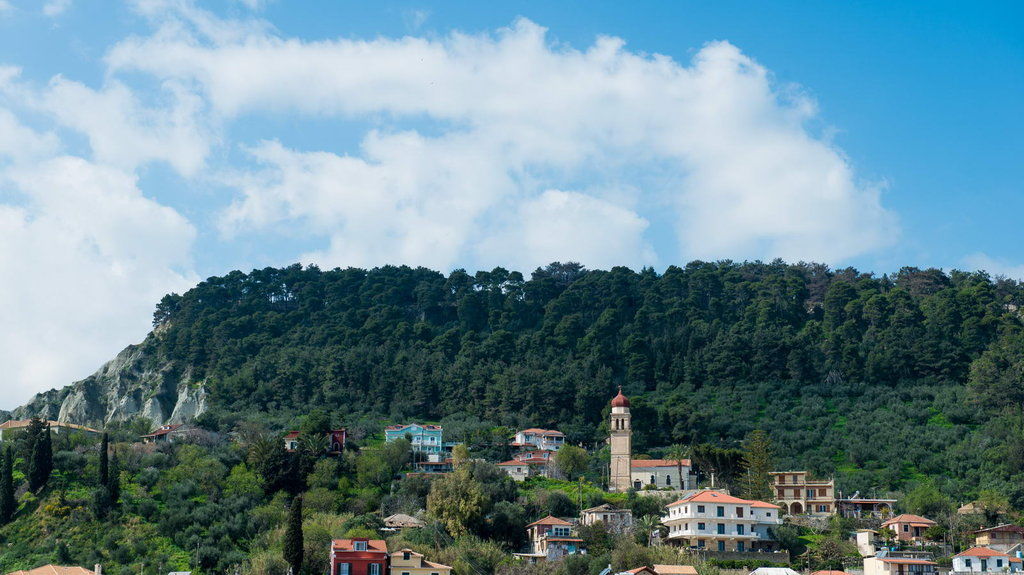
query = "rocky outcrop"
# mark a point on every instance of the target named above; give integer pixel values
(135, 384)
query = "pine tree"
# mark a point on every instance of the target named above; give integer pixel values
(7, 503)
(40, 463)
(293, 544)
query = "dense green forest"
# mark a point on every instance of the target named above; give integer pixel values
(881, 381)
(907, 385)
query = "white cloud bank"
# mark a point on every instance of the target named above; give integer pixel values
(493, 149)
(514, 116)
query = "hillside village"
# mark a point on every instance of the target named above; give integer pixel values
(643, 515)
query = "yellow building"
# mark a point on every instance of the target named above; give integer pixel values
(409, 562)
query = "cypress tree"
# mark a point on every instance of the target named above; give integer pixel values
(293, 543)
(104, 477)
(7, 503)
(40, 463)
(114, 479)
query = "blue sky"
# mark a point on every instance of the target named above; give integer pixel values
(148, 144)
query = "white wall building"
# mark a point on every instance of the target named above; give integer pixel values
(662, 473)
(985, 560)
(543, 439)
(716, 521)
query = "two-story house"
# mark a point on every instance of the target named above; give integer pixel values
(359, 556)
(539, 439)
(614, 519)
(409, 562)
(661, 473)
(424, 438)
(799, 494)
(985, 560)
(909, 527)
(528, 464)
(1004, 537)
(716, 521)
(551, 538)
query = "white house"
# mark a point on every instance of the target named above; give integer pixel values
(717, 521)
(528, 464)
(614, 519)
(899, 566)
(985, 560)
(539, 439)
(662, 473)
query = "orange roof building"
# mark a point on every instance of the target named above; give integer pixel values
(909, 527)
(716, 521)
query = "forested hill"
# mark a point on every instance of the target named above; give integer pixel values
(880, 380)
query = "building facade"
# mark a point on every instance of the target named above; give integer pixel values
(715, 521)
(528, 464)
(909, 527)
(899, 566)
(621, 444)
(359, 557)
(409, 562)
(799, 494)
(550, 539)
(1003, 538)
(539, 439)
(985, 560)
(661, 473)
(424, 438)
(614, 519)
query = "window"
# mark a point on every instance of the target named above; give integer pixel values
(700, 527)
(405, 573)
(739, 529)
(721, 545)
(668, 479)
(721, 528)
(810, 494)
(739, 512)
(374, 568)
(906, 528)
(740, 546)
(700, 544)
(561, 531)
(653, 480)
(700, 509)
(999, 563)
(822, 492)
(405, 557)
(794, 479)
(720, 512)
(344, 568)
(967, 563)
(359, 545)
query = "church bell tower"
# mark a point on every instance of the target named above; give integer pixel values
(621, 443)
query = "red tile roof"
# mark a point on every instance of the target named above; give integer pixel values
(550, 520)
(642, 463)
(981, 552)
(372, 545)
(910, 519)
(54, 570)
(708, 496)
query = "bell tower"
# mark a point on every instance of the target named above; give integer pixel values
(621, 443)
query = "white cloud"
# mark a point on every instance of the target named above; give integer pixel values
(995, 266)
(86, 257)
(55, 8)
(716, 141)
(5, 7)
